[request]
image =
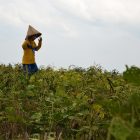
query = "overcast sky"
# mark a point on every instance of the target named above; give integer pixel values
(75, 32)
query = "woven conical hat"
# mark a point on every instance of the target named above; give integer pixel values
(32, 32)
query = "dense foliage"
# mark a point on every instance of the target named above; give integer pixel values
(69, 104)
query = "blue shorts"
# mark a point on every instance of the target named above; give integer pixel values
(30, 68)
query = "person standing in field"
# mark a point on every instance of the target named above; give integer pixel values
(29, 47)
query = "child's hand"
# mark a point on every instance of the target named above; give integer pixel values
(40, 39)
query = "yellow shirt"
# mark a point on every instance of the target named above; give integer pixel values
(29, 52)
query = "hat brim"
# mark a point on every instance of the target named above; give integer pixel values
(35, 35)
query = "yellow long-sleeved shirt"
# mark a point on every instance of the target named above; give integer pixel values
(29, 48)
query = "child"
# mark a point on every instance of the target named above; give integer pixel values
(29, 47)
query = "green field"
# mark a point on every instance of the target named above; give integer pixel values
(69, 104)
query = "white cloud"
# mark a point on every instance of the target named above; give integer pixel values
(107, 10)
(48, 11)
(64, 14)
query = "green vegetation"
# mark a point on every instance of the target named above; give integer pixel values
(73, 104)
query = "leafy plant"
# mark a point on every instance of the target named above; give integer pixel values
(69, 104)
